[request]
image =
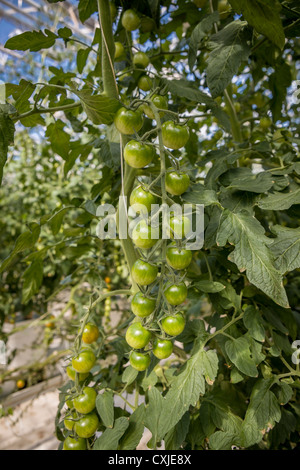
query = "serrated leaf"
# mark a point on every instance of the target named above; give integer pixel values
(251, 253)
(229, 49)
(32, 280)
(65, 33)
(25, 241)
(222, 440)
(209, 286)
(200, 32)
(199, 195)
(186, 89)
(129, 375)
(32, 40)
(86, 8)
(177, 435)
(135, 430)
(286, 248)
(109, 440)
(279, 201)
(238, 351)
(253, 322)
(105, 408)
(243, 179)
(82, 57)
(59, 139)
(264, 16)
(263, 412)
(99, 108)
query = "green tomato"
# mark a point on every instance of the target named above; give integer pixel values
(178, 258)
(137, 154)
(87, 425)
(128, 121)
(162, 348)
(173, 325)
(119, 50)
(174, 135)
(160, 102)
(176, 293)
(177, 183)
(143, 236)
(139, 361)
(180, 226)
(130, 20)
(71, 372)
(137, 336)
(265, 123)
(74, 444)
(142, 306)
(143, 199)
(86, 401)
(90, 333)
(69, 422)
(84, 361)
(145, 83)
(140, 59)
(144, 273)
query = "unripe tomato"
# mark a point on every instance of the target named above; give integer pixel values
(74, 444)
(178, 258)
(137, 154)
(130, 20)
(119, 50)
(177, 183)
(139, 361)
(142, 198)
(160, 102)
(173, 325)
(127, 121)
(180, 226)
(144, 236)
(87, 425)
(140, 59)
(86, 401)
(174, 135)
(265, 122)
(145, 83)
(147, 24)
(144, 273)
(90, 333)
(142, 306)
(176, 293)
(223, 8)
(69, 421)
(137, 336)
(162, 348)
(71, 372)
(84, 361)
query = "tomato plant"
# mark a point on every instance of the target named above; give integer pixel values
(212, 122)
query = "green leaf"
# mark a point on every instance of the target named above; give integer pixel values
(25, 241)
(279, 201)
(222, 440)
(243, 179)
(185, 89)
(32, 40)
(82, 57)
(279, 81)
(86, 8)
(7, 131)
(286, 248)
(200, 32)
(253, 322)
(32, 280)
(99, 108)
(264, 16)
(199, 195)
(153, 413)
(59, 139)
(251, 253)
(129, 375)
(105, 408)
(209, 286)
(135, 431)
(176, 436)
(229, 49)
(238, 351)
(109, 440)
(263, 412)
(65, 33)
(21, 94)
